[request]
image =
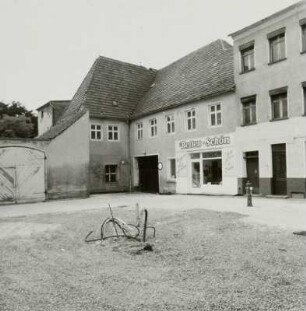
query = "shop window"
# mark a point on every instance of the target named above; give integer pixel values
(96, 131)
(170, 124)
(248, 110)
(139, 131)
(153, 127)
(303, 34)
(113, 132)
(212, 168)
(247, 58)
(215, 115)
(172, 169)
(277, 45)
(110, 173)
(191, 119)
(279, 104)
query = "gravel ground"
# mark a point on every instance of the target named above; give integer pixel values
(201, 260)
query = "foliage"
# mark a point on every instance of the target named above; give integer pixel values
(16, 121)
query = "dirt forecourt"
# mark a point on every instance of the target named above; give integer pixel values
(210, 253)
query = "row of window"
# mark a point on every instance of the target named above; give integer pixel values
(96, 132)
(215, 119)
(279, 105)
(277, 48)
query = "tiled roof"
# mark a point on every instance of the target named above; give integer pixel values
(112, 89)
(204, 73)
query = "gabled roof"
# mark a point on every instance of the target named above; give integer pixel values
(112, 89)
(204, 73)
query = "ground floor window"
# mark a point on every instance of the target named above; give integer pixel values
(172, 169)
(210, 164)
(110, 173)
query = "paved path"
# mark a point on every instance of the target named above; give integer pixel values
(289, 214)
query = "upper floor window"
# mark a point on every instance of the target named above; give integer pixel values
(215, 114)
(42, 114)
(248, 110)
(303, 34)
(110, 173)
(96, 131)
(277, 45)
(247, 57)
(191, 119)
(279, 104)
(153, 127)
(113, 132)
(170, 124)
(304, 96)
(139, 131)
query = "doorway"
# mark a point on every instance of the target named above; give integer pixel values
(252, 169)
(148, 174)
(279, 179)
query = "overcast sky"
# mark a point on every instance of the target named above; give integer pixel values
(47, 46)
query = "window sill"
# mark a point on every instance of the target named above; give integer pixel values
(277, 61)
(248, 124)
(279, 119)
(247, 71)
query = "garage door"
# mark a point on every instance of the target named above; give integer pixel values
(22, 174)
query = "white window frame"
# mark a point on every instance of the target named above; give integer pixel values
(108, 174)
(192, 118)
(215, 113)
(139, 131)
(171, 177)
(111, 130)
(153, 127)
(96, 128)
(170, 124)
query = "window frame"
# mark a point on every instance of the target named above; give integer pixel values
(139, 130)
(153, 127)
(96, 131)
(303, 38)
(113, 132)
(277, 96)
(170, 124)
(246, 48)
(108, 174)
(304, 97)
(192, 118)
(251, 102)
(171, 177)
(278, 38)
(215, 113)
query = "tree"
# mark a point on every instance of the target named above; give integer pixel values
(16, 121)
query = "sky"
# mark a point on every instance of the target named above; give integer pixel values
(48, 46)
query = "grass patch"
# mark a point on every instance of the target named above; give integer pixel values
(201, 260)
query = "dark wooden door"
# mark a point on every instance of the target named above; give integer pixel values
(279, 179)
(148, 174)
(253, 170)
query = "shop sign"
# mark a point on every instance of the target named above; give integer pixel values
(206, 142)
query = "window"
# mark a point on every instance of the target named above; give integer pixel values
(247, 57)
(215, 114)
(304, 96)
(191, 119)
(172, 169)
(153, 127)
(96, 131)
(279, 104)
(303, 29)
(212, 168)
(277, 45)
(248, 110)
(113, 132)
(139, 131)
(110, 173)
(42, 114)
(170, 124)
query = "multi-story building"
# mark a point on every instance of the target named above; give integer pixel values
(270, 77)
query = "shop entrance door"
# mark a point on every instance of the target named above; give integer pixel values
(252, 169)
(279, 179)
(148, 174)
